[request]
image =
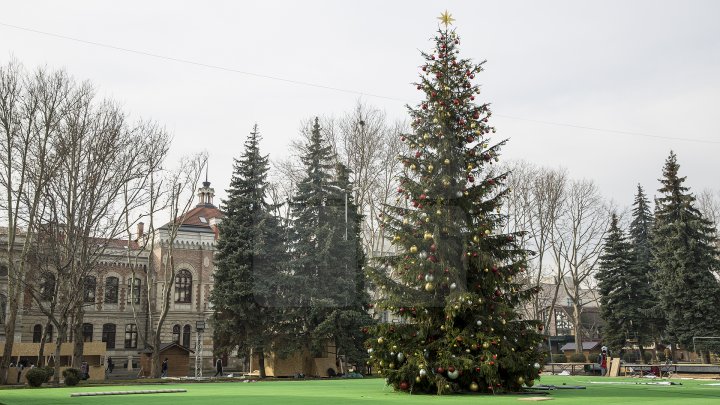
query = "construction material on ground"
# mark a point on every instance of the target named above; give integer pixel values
(94, 394)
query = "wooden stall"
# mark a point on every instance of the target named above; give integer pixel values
(178, 360)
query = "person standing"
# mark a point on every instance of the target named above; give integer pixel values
(603, 361)
(164, 368)
(218, 367)
(110, 365)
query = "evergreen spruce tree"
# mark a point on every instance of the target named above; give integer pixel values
(328, 261)
(685, 255)
(251, 252)
(649, 322)
(617, 286)
(454, 284)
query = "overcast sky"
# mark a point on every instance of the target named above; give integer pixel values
(650, 67)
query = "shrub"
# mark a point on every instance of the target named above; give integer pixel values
(577, 358)
(559, 358)
(72, 376)
(648, 355)
(36, 377)
(49, 372)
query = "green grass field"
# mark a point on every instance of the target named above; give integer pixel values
(367, 391)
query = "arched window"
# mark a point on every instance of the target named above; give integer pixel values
(131, 336)
(133, 291)
(176, 334)
(108, 335)
(37, 333)
(186, 336)
(87, 331)
(47, 287)
(183, 287)
(111, 290)
(89, 286)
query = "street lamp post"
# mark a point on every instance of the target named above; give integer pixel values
(200, 327)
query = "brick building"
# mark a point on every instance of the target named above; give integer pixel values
(116, 310)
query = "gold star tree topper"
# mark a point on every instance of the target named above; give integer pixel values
(446, 18)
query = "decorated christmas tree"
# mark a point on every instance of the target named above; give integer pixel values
(453, 286)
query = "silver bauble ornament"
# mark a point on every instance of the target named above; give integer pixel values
(453, 375)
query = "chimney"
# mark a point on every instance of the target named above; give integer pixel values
(140, 230)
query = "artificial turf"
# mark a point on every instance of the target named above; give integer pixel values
(369, 391)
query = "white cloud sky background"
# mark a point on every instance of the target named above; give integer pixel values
(641, 66)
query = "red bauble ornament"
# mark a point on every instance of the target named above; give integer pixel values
(433, 248)
(451, 369)
(440, 370)
(404, 385)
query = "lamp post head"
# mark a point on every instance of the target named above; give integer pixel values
(200, 326)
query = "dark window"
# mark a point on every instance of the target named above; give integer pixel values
(111, 290)
(49, 333)
(37, 333)
(47, 287)
(131, 336)
(133, 291)
(89, 286)
(87, 331)
(176, 334)
(108, 335)
(183, 287)
(3, 270)
(186, 336)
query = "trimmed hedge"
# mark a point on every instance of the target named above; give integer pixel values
(72, 376)
(36, 377)
(577, 358)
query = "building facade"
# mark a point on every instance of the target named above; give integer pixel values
(117, 300)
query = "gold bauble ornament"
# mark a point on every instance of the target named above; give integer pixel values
(470, 166)
(446, 161)
(429, 287)
(396, 238)
(520, 380)
(426, 136)
(430, 168)
(428, 236)
(413, 249)
(405, 221)
(486, 345)
(427, 219)
(476, 239)
(381, 340)
(417, 379)
(530, 383)
(435, 120)
(474, 387)
(438, 212)
(412, 166)
(487, 232)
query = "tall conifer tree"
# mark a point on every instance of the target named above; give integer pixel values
(685, 255)
(250, 280)
(454, 284)
(328, 261)
(617, 287)
(650, 321)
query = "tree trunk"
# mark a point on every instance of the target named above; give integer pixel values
(9, 339)
(261, 362)
(641, 349)
(578, 332)
(78, 346)
(61, 335)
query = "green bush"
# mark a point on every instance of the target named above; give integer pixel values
(577, 358)
(648, 355)
(72, 376)
(559, 358)
(36, 377)
(49, 372)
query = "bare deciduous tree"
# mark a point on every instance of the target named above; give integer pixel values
(579, 239)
